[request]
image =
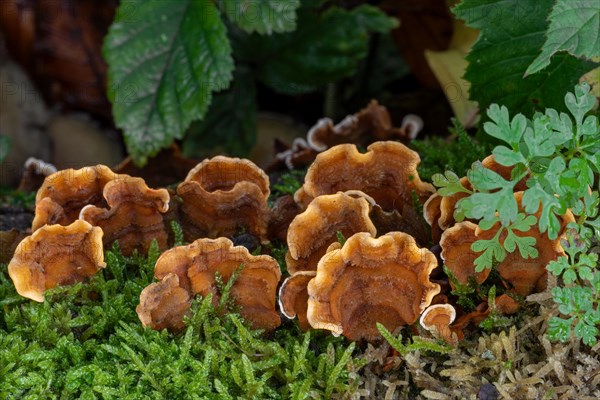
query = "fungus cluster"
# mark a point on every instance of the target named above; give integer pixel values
(355, 239)
(337, 286)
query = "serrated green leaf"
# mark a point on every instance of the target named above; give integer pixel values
(526, 245)
(326, 47)
(448, 184)
(492, 251)
(263, 16)
(561, 124)
(164, 61)
(523, 222)
(569, 276)
(574, 27)
(512, 32)
(486, 205)
(586, 332)
(536, 196)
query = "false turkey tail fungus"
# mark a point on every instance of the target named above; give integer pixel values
(56, 255)
(371, 280)
(134, 217)
(293, 297)
(387, 172)
(164, 304)
(64, 193)
(312, 231)
(222, 195)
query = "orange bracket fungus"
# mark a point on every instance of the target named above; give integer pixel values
(293, 297)
(134, 217)
(387, 172)
(56, 255)
(196, 264)
(64, 193)
(371, 280)
(437, 319)
(312, 231)
(222, 195)
(164, 304)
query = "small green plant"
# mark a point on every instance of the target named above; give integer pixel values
(559, 160)
(417, 344)
(579, 298)
(288, 183)
(559, 157)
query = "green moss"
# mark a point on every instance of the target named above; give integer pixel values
(86, 342)
(456, 153)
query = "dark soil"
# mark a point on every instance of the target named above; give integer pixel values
(15, 217)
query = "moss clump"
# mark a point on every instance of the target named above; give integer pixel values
(455, 153)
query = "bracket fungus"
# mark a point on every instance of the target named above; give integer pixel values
(312, 231)
(437, 319)
(221, 195)
(134, 217)
(387, 172)
(254, 288)
(371, 280)
(56, 255)
(64, 193)
(293, 297)
(164, 304)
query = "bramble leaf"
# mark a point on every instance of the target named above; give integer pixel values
(573, 28)
(264, 17)
(164, 61)
(512, 32)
